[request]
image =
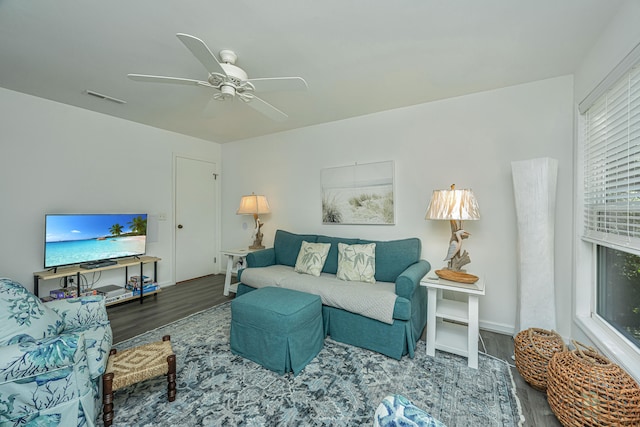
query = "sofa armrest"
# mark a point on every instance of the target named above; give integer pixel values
(43, 379)
(88, 315)
(79, 313)
(27, 358)
(409, 280)
(262, 258)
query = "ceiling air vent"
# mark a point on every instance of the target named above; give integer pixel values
(105, 97)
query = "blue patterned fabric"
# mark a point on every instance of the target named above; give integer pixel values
(398, 411)
(88, 316)
(51, 358)
(23, 311)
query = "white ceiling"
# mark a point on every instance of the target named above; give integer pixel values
(357, 56)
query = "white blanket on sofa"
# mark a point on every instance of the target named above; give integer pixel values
(373, 300)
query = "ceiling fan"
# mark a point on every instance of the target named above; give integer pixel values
(228, 80)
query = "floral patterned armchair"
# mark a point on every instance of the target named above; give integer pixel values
(52, 357)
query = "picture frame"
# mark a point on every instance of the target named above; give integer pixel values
(360, 194)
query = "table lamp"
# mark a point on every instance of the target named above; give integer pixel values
(456, 206)
(254, 205)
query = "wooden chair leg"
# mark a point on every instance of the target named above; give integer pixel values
(171, 378)
(107, 399)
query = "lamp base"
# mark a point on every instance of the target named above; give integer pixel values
(257, 243)
(457, 262)
(460, 270)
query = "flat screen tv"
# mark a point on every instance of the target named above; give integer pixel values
(85, 238)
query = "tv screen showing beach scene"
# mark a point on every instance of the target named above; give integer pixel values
(80, 238)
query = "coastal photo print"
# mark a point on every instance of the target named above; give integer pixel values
(359, 194)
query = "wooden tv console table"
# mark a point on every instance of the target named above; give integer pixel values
(64, 272)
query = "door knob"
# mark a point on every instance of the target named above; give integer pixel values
(180, 226)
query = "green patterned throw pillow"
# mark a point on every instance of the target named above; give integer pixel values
(357, 262)
(312, 257)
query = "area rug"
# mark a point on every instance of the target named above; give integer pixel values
(342, 386)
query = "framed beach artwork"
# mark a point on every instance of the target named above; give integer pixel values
(359, 194)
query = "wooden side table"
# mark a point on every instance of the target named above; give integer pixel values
(233, 256)
(453, 326)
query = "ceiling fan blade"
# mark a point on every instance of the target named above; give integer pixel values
(163, 79)
(202, 53)
(267, 109)
(273, 84)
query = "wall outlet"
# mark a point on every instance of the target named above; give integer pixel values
(162, 216)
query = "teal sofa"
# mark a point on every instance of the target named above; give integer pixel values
(397, 266)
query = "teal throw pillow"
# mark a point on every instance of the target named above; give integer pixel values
(312, 257)
(357, 262)
(23, 316)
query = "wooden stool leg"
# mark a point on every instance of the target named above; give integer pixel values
(171, 378)
(171, 373)
(107, 399)
(107, 395)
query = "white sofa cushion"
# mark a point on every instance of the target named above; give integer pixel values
(373, 301)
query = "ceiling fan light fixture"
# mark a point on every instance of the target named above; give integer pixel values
(227, 91)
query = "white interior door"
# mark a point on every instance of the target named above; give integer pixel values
(195, 218)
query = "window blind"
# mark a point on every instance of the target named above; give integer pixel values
(612, 165)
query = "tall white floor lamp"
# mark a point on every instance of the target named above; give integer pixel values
(534, 184)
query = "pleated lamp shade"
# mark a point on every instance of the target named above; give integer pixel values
(453, 205)
(253, 205)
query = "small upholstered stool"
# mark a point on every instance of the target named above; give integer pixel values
(134, 365)
(280, 329)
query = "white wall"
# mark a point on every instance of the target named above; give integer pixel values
(55, 158)
(469, 141)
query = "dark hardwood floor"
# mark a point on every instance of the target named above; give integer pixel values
(174, 302)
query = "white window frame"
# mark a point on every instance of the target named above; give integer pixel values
(604, 336)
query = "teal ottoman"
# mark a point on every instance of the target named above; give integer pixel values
(278, 328)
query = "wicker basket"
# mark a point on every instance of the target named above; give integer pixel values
(534, 348)
(585, 389)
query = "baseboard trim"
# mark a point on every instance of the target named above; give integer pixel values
(499, 328)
